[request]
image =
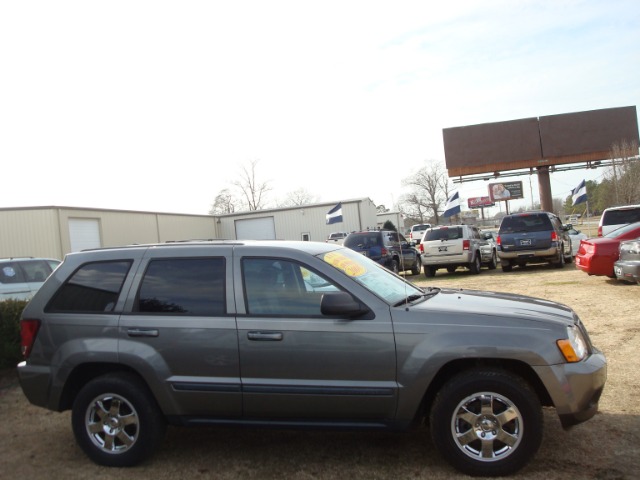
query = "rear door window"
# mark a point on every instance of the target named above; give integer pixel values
(188, 286)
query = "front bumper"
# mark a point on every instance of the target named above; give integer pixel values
(575, 388)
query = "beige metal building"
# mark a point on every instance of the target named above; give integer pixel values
(52, 232)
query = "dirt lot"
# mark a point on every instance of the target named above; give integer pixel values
(36, 443)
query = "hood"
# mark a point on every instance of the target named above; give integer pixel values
(503, 308)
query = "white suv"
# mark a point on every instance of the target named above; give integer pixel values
(616, 217)
(21, 277)
(456, 246)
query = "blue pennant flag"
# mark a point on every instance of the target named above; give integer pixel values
(335, 214)
(453, 206)
(579, 194)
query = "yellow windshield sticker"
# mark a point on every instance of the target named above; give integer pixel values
(344, 263)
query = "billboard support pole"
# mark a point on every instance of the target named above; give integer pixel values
(544, 186)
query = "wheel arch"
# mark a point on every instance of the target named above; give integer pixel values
(456, 367)
(84, 373)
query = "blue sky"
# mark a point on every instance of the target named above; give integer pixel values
(155, 105)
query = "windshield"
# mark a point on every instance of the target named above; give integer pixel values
(378, 280)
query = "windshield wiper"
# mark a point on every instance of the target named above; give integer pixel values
(417, 296)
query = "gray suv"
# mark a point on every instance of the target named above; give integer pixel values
(297, 334)
(533, 237)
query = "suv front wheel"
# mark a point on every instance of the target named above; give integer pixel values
(487, 422)
(116, 421)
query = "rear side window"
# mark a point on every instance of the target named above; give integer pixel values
(189, 286)
(94, 287)
(619, 217)
(525, 223)
(10, 272)
(443, 234)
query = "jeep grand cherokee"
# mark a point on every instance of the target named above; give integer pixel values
(297, 334)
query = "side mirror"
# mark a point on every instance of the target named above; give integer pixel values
(341, 303)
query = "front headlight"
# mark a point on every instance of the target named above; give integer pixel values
(573, 348)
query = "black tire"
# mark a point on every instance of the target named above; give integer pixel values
(475, 265)
(559, 263)
(493, 263)
(429, 271)
(487, 422)
(451, 269)
(417, 267)
(394, 267)
(116, 420)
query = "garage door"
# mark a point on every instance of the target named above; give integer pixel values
(84, 233)
(256, 229)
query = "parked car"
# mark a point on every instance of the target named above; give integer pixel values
(627, 268)
(416, 232)
(21, 277)
(596, 256)
(337, 237)
(297, 334)
(575, 236)
(533, 237)
(390, 249)
(456, 246)
(616, 217)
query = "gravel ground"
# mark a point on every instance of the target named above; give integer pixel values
(36, 443)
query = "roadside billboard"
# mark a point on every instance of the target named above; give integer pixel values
(477, 202)
(505, 191)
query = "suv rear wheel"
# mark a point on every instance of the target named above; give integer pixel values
(487, 422)
(417, 267)
(116, 421)
(559, 262)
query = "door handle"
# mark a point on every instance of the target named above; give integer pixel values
(142, 332)
(265, 336)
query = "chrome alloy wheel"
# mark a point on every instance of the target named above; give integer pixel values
(112, 423)
(487, 426)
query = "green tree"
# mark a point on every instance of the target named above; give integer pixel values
(388, 225)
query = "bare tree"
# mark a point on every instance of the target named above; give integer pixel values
(429, 191)
(298, 198)
(625, 173)
(224, 203)
(252, 191)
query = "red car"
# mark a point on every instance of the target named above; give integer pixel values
(596, 256)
